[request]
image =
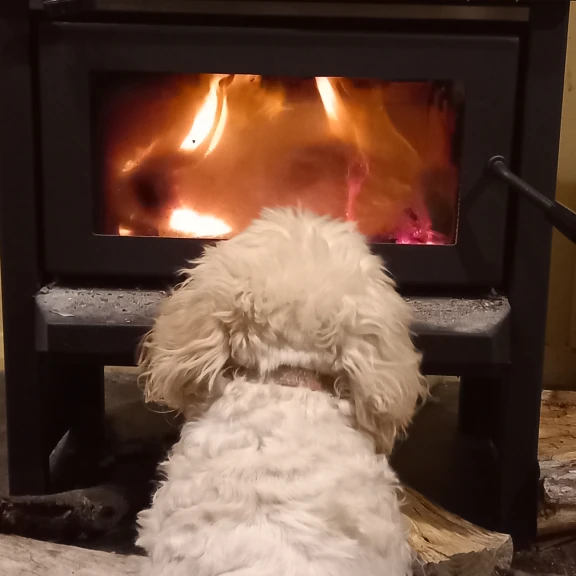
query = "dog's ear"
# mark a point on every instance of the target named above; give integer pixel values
(183, 355)
(381, 364)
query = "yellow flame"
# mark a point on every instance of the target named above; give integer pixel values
(329, 97)
(219, 128)
(195, 225)
(125, 231)
(338, 116)
(205, 119)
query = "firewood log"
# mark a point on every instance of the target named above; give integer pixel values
(445, 545)
(557, 456)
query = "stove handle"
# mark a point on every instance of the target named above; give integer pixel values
(562, 218)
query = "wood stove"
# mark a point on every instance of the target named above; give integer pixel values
(292, 117)
(134, 132)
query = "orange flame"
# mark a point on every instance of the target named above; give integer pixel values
(140, 156)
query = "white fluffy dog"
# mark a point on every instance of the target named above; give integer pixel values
(287, 349)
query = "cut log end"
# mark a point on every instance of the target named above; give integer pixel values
(557, 455)
(446, 544)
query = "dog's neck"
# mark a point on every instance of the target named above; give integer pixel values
(294, 377)
(301, 377)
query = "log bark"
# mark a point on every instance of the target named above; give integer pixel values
(557, 456)
(24, 557)
(67, 516)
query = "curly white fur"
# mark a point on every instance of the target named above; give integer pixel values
(269, 480)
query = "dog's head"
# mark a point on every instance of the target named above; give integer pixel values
(293, 289)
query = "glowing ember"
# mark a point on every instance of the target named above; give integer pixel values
(195, 225)
(419, 231)
(428, 237)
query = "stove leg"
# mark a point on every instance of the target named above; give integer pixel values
(27, 412)
(80, 413)
(46, 398)
(516, 438)
(477, 405)
(81, 389)
(504, 411)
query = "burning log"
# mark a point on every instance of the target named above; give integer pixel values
(147, 191)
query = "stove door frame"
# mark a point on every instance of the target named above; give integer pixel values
(70, 52)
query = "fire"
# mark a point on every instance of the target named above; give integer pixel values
(340, 122)
(359, 149)
(219, 127)
(344, 128)
(329, 97)
(211, 114)
(123, 231)
(140, 156)
(192, 224)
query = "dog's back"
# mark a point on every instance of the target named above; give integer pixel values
(274, 481)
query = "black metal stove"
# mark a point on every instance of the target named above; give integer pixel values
(135, 131)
